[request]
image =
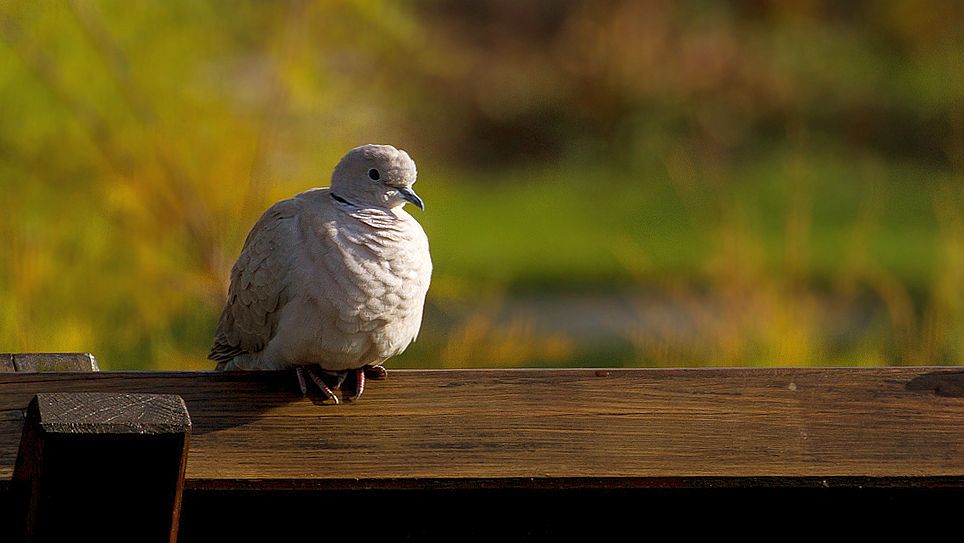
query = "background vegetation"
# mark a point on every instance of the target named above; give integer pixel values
(607, 182)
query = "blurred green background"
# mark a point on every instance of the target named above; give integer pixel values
(608, 183)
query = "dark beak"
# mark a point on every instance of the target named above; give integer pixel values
(409, 196)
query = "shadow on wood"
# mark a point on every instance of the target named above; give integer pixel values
(101, 467)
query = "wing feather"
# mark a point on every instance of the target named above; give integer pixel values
(258, 290)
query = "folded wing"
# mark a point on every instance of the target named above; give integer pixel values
(259, 284)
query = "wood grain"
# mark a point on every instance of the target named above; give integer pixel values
(633, 428)
(111, 413)
(6, 363)
(37, 362)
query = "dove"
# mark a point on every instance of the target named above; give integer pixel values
(332, 281)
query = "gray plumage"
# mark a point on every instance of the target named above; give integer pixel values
(335, 276)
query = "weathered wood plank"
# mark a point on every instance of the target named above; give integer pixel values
(630, 428)
(47, 362)
(110, 413)
(6, 363)
(100, 467)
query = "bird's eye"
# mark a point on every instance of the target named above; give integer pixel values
(373, 173)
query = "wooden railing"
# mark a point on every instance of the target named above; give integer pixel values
(410, 457)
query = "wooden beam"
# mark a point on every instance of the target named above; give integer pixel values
(100, 467)
(6, 363)
(48, 362)
(516, 454)
(554, 428)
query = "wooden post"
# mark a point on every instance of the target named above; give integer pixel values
(102, 466)
(44, 362)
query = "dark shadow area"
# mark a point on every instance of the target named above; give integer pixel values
(252, 393)
(528, 514)
(216, 400)
(944, 383)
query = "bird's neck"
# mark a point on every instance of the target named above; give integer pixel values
(340, 200)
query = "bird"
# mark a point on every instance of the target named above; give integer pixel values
(332, 281)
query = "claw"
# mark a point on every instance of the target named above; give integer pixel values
(302, 386)
(375, 372)
(339, 377)
(350, 382)
(327, 396)
(354, 384)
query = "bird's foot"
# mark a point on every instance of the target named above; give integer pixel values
(322, 380)
(302, 385)
(350, 382)
(375, 373)
(353, 385)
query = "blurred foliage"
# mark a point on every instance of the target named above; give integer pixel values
(756, 182)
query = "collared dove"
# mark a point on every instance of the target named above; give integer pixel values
(333, 278)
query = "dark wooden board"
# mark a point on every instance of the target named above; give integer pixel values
(662, 428)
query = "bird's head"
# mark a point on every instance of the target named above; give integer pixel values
(379, 175)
